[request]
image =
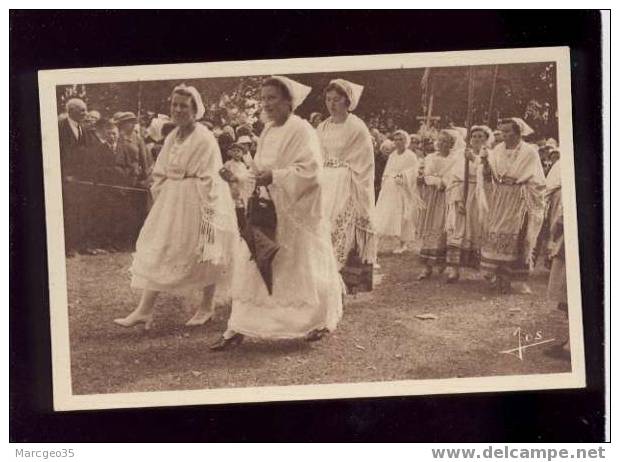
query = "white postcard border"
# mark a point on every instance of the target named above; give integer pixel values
(61, 365)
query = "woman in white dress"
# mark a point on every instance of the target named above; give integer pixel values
(306, 299)
(465, 217)
(187, 240)
(395, 206)
(349, 174)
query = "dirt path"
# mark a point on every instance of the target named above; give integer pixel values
(380, 337)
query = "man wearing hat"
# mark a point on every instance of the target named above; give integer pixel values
(100, 155)
(132, 155)
(135, 164)
(101, 225)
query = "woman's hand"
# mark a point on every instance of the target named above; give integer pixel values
(460, 207)
(227, 175)
(264, 178)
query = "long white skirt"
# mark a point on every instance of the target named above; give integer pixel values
(394, 217)
(167, 256)
(307, 287)
(339, 209)
(348, 227)
(336, 184)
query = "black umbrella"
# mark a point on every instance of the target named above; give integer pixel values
(259, 231)
(257, 226)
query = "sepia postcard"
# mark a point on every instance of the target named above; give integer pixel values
(312, 228)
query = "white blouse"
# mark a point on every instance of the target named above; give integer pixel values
(266, 158)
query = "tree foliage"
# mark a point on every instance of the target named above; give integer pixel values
(521, 90)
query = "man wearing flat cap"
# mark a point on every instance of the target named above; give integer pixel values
(132, 156)
(100, 219)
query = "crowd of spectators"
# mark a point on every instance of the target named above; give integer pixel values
(106, 160)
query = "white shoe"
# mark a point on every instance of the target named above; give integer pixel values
(524, 289)
(426, 273)
(399, 250)
(133, 319)
(199, 318)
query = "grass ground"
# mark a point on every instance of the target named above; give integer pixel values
(380, 338)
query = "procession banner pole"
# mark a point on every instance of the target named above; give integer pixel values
(427, 84)
(139, 101)
(430, 106)
(468, 124)
(492, 98)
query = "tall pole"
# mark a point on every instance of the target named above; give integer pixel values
(431, 100)
(139, 101)
(468, 124)
(492, 98)
(428, 85)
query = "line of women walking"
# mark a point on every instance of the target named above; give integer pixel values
(318, 181)
(467, 205)
(321, 184)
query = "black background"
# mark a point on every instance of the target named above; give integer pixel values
(88, 39)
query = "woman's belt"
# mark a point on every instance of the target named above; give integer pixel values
(334, 163)
(173, 173)
(506, 180)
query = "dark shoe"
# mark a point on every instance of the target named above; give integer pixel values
(492, 279)
(226, 343)
(316, 335)
(504, 286)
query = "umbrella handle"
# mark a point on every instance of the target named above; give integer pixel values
(257, 191)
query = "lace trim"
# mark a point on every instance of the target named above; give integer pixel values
(502, 243)
(214, 242)
(283, 335)
(332, 162)
(349, 229)
(342, 233)
(206, 241)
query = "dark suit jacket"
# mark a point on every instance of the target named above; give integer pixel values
(71, 149)
(133, 158)
(100, 164)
